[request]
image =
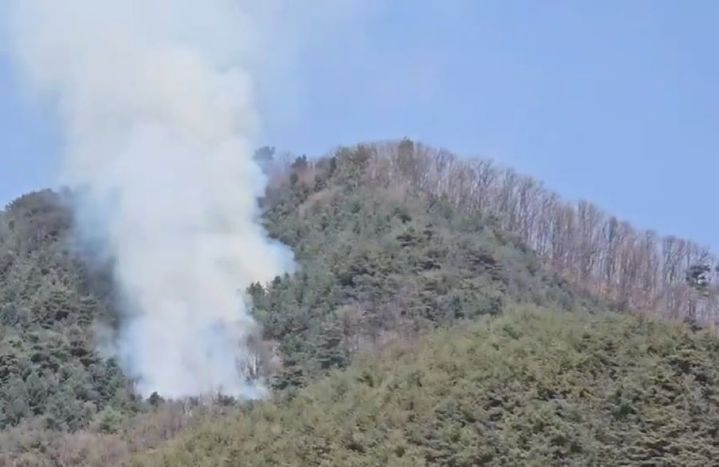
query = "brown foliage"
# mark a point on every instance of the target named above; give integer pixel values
(633, 269)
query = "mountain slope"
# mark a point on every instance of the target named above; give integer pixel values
(634, 270)
(49, 301)
(529, 388)
(379, 263)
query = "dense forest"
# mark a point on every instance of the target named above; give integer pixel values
(532, 387)
(444, 312)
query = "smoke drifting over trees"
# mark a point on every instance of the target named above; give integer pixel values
(402, 305)
(157, 105)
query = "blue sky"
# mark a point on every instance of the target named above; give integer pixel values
(612, 101)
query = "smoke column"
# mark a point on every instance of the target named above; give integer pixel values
(156, 102)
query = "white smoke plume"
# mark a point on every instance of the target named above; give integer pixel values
(156, 100)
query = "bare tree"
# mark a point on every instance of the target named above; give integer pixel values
(635, 270)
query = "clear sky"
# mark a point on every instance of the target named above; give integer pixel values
(612, 101)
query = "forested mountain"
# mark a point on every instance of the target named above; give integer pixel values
(392, 242)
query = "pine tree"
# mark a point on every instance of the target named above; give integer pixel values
(331, 353)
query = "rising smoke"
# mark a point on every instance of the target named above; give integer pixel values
(156, 100)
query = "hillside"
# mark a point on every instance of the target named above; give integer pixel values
(49, 304)
(632, 269)
(378, 263)
(529, 388)
(406, 262)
